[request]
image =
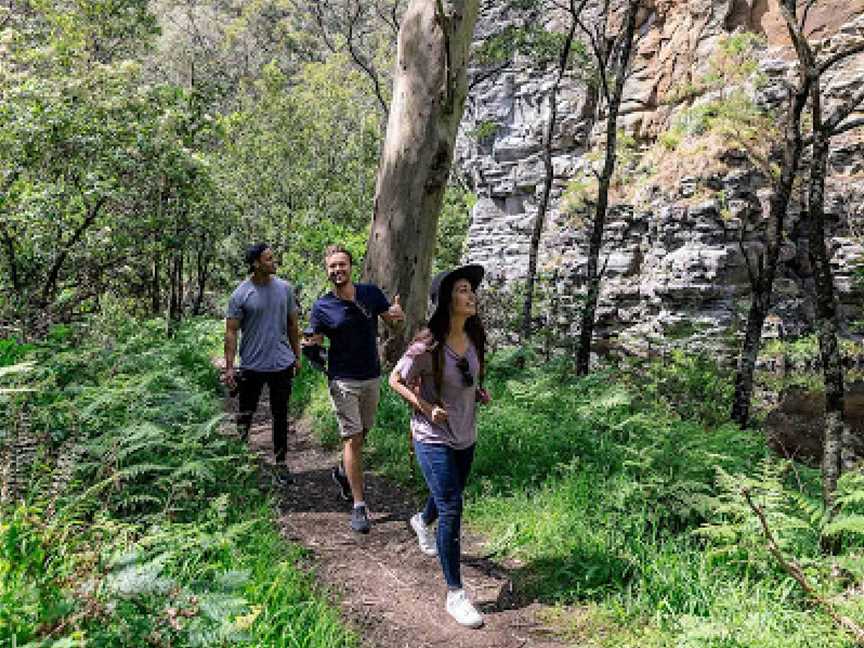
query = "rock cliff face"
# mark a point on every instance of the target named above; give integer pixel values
(683, 217)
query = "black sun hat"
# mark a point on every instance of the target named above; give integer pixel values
(443, 282)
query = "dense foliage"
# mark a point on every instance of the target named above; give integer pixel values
(132, 513)
(134, 170)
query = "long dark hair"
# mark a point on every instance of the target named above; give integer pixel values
(434, 336)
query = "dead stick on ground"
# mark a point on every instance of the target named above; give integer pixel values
(794, 570)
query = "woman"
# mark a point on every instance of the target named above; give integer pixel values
(445, 361)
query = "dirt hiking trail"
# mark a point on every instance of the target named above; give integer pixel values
(389, 592)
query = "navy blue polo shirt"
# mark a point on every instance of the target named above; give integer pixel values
(352, 329)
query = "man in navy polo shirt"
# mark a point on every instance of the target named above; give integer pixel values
(348, 317)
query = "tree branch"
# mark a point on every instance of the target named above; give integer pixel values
(8, 241)
(598, 54)
(318, 14)
(799, 40)
(794, 570)
(843, 111)
(850, 125)
(488, 74)
(54, 272)
(391, 19)
(365, 65)
(751, 275)
(839, 56)
(807, 5)
(9, 244)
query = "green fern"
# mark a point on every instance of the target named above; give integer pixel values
(734, 531)
(198, 471)
(140, 579)
(849, 524)
(809, 507)
(215, 624)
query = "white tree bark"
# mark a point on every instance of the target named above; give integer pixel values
(429, 90)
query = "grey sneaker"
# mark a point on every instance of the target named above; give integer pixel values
(282, 476)
(341, 480)
(359, 520)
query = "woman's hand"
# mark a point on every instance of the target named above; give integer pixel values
(437, 414)
(483, 396)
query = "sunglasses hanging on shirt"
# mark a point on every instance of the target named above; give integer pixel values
(465, 369)
(362, 309)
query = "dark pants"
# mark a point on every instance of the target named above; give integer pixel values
(446, 471)
(250, 385)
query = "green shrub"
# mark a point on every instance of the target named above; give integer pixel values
(12, 351)
(144, 520)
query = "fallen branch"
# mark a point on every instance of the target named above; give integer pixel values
(795, 571)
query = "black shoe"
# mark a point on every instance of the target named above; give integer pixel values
(359, 520)
(342, 482)
(282, 476)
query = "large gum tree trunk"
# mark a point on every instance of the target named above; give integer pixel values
(429, 90)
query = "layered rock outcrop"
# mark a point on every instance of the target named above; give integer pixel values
(684, 223)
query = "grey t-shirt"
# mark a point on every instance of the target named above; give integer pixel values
(458, 399)
(263, 313)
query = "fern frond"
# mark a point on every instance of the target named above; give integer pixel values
(136, 470)
(853, 498)
(233, 580)
(139, 500)
(22, 367)
(811, 507)
(139, 580)
(851, 524)
(195, 470)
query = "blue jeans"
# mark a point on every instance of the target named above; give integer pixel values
(446, 471)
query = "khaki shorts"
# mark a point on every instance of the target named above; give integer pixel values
(355, 403)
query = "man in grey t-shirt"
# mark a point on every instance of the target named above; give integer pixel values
(264, 310)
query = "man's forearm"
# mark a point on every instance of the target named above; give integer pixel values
(294, 337)
(230, 349)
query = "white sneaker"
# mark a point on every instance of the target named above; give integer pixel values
(425, 535)
(460, 608)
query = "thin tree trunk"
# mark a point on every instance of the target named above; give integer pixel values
(543, 207)
(175, 311)
(763, 283)
(586, 330)
(838, 449)
(8, 241)
(155, 287)
(429, 90)
(826, 312)
(12, 261)
(201, 280)
(50, 286)
(760, 303)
